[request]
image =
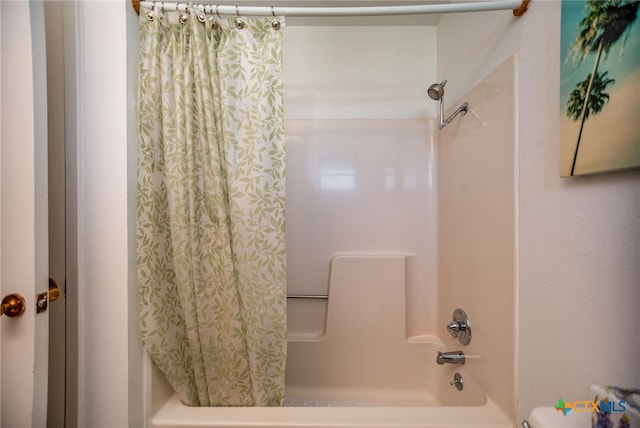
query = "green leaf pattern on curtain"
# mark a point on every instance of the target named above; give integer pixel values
(211, 208)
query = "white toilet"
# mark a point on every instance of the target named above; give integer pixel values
(627, 400)
(549, 417)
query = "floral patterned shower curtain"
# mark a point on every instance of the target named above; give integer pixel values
(210, 205)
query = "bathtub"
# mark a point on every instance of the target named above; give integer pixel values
(354, 367)
(442, 406)
(176, 415)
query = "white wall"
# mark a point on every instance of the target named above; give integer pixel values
(579, 239)
(109, 351)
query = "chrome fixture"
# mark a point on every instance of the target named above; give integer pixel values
(436, 92)
(457, 381)
(308, 296)
(460, 327)
(455, 357)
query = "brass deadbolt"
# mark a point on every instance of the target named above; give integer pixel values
(43, 299)
(54, 291)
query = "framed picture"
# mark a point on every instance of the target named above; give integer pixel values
(599, 86)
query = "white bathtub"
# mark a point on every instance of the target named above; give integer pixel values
(440, 406)
(174, 414)
(360, 370)
(345, 408)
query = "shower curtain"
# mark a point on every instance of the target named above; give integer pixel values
(210, 206)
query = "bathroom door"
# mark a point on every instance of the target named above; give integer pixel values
(23, 215)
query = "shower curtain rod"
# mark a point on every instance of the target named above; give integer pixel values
(519, 7)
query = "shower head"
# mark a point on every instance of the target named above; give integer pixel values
(436, 91)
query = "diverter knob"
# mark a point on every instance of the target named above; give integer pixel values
(460, 327)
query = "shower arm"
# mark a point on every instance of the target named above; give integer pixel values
(462, 109)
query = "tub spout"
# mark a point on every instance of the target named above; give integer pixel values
(455, 357)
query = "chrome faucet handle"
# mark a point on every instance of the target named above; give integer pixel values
(454, 327)
(457, 381)
(460, 327)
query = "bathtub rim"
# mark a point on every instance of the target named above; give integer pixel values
(174, 414)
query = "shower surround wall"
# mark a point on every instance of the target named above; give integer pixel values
(477, 229)
(365, 184)
(360, 187)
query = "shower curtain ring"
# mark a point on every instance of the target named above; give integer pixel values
(149, 13)
(202, 17)
(214, 23)
(184, 17)
(275, 24)
(239, 21)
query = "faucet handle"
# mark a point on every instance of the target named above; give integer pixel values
(457, 381)
(455, 327)
(460, 327)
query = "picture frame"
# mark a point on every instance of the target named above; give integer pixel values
(599, 132)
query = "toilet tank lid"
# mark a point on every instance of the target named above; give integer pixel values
(549, 417)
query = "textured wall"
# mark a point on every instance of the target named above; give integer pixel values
(108, 341)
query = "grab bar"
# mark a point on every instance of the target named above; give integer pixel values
(307, 296)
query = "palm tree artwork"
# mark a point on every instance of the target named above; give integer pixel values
(606, 23)
(580, 105)
(597, 97)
